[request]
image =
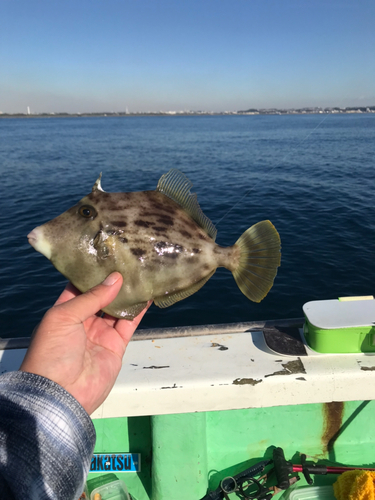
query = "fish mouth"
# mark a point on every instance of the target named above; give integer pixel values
(32, 238)
(38, 241)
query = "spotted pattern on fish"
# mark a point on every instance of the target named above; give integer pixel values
(138, 252)
(166, 221)
(119, 223)
(143, 223)
(185, 234)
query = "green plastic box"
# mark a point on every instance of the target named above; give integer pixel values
(340, 326)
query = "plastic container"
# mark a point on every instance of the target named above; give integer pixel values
(116, 490)
(334, 326)
(311, 493)
(101, 480)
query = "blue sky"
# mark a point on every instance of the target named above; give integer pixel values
(213, 55)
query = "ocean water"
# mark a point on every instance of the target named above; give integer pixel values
(313, 176)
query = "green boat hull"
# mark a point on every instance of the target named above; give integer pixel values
(185, 455)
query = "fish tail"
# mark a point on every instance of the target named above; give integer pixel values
(259, 258)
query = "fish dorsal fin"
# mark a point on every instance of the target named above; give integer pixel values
(176, 186)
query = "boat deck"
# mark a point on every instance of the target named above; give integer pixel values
(222, 367)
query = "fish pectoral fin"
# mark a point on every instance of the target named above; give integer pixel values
(172, 298)
(176, 186)
(104, 245)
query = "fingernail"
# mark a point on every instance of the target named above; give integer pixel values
(111, 279)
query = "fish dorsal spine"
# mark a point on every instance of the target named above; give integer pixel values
(98, 184)
(176, 186)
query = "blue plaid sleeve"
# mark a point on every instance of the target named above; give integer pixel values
(46, 440)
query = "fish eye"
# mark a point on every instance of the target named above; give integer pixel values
(88, 212)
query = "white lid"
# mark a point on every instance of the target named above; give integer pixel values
(328, 314)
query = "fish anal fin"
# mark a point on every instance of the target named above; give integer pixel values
(176, 186)
(172, 298)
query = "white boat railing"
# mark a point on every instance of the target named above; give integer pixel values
(179, 331)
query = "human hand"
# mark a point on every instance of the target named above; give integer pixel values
(80, 351)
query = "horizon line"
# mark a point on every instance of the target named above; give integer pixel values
(250, 111)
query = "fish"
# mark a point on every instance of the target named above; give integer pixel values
(160, 241)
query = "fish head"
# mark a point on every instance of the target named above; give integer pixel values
(79, 242)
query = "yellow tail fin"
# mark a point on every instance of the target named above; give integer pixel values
(259, 259)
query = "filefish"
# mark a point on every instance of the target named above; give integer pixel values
(160, 241)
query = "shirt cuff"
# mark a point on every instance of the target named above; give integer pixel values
(46, 438)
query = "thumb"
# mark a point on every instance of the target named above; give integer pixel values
(89, 303)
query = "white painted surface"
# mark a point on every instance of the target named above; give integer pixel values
(192, 374)
(188, 374)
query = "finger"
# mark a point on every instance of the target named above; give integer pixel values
(69, 292)
(89, 303)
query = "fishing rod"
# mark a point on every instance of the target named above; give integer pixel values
(308, 468)
(248, 487)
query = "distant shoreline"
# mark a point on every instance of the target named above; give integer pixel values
(249, 112)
